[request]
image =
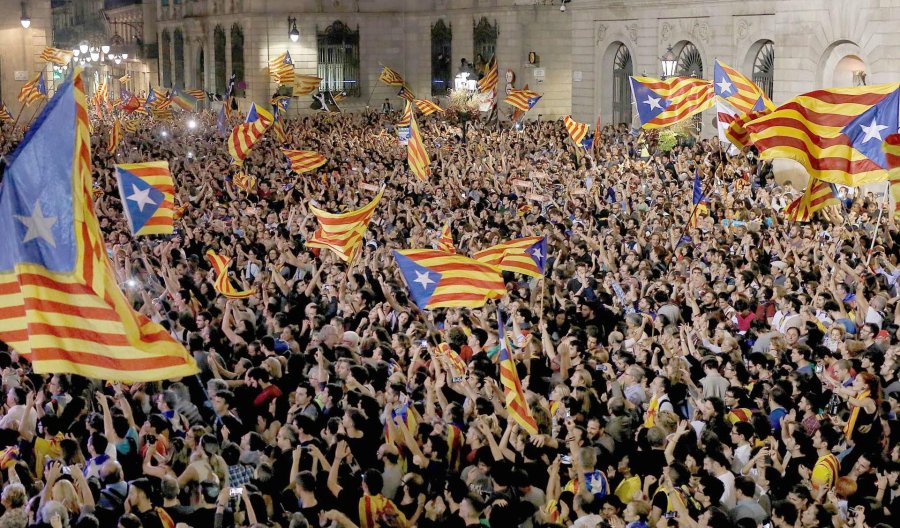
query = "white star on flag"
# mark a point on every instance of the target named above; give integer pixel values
(872, 131)
(536, 253)
(653, 102)
(39, 226)
(423, 279)
(141, 198)
(724, 85)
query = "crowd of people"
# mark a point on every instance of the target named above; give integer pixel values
(738, 371)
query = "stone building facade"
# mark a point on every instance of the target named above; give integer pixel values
(20, 58)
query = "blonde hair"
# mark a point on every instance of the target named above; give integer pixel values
(64, 492)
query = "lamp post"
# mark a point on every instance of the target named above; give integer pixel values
(25, 20)
(292, 29)
(669, 62)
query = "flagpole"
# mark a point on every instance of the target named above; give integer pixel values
(36, 110)
(878, 223)
(693, 210)
(18, 115)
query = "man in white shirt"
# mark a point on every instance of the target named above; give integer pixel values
(15, 399)
(717, 465)
(741, 435)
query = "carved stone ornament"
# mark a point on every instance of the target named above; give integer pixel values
(601, 33)
(700, 30)
(666, 31)
(743, 29)
(632, 31)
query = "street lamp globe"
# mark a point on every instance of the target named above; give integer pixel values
(84, 46)
(669, 62)
(104, 48)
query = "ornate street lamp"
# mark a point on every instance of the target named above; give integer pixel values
(669, 62)
(292, 29)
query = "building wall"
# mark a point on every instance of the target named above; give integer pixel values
(21, 47)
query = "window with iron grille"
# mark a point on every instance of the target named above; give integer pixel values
(178, 70)
(690, 64)
(441, 39)
(338, 50)
(219, 59)
(237, 59)
(764, 68)
(165, 58)
(485, 37)
(623, 69)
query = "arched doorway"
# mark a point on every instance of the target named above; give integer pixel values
(850, 71)
(623, 68)
(843, 64)
(764, 68)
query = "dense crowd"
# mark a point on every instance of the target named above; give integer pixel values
(740, 372)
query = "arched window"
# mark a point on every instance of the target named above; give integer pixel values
(165, 48)
(764, 68)
(485, 37)
(237, 59)
(178, 69)
(441, 38)
(690, 64)
(622, 70)
(338, 50)
(219, 58)
(201, 70)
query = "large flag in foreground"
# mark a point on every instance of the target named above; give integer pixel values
(514, 395)
(526, 255)
(444, 280)
(148, 196)
(836, 134)
(60, 304)
(740, 92)
(892, 158)
(661, 103)
(818, 194)
(343, 232)
(223, 284)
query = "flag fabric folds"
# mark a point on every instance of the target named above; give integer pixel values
(740, 92)
(406, 117)
(56, 56)
(699, 203)
(5, 115)
(516, 405)
(442, 280)
(60, 304)
(416, 156)
(115, 136)
(343, 233)
(406, 93)
(304, 160)
(445, 241)
(527, 255)
(891, 149)
(737, 134)
(243, 181)
(488, 83)
(183, 100)
(222, 285)
(131, 125)
(725, 116)
(245, 135)
(523, 100)
(391, 77)
(577, 131)
(818, 194)
(281, 69)
(427, 107)
(197, 94)
(661, 103)
(148, 197)
(836, 134)
(33, 90)
(306, 84)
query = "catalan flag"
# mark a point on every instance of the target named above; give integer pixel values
(737, 134)
(818, 194)
(56, 56)
(577, 131)
(700, 205)
(836, 134)
(416, 156)
(115, 137)
(450, 360)
(100, 98)
(60, 304)
(891, 148)
(523, 100)
(488, 83)
(406, 117)
(5, 115)
(410, 417)
(391, 77)
(445, 241)
(516, 405)
(343, 233)
(131, 125)
(306, 84)
(661, 103)
(526, 255)
(281, 69)
(244, 136)
(740, 92)
(183, 100)
(223, 285)
(304, 160)
(442, 280)
(163, 115)
(278, 128)
(725, 116)
(148, 195)
(197, 94)
(375, 507)
(33, 90)
(406, 93)
(243, 181)
(427, 107)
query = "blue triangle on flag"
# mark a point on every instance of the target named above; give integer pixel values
(868, 130)
(649, 103)
(422, 281)
(140, 199)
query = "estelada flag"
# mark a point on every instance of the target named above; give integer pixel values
(148, 195)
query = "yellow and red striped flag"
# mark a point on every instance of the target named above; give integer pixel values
(416, 156)
(223, 284)
(343, 232)
(100, 98)
(56, 56)
(427, 107)
(661, 103)
(818, 194)
(836, 134)
(523, 100)
(406, 93)
(450, 360)
(891, 148)
(60, 304)
(516, 405)
(125, 79)
(163, 115)
(391, 77)
(5, 115)
(526, 255)
(442, 280)
(406, 118)
(245, 135)
(488, 83)
(115, 137)
(197, 94)
(304, 160)
(148, 197)
(278, 129)
(577, 131)
(243, 181)
(306, 84)
(445, 241)
(737, 134)
(131, 125)
(375, 507)
(33, 90)
(740, 92)
(281, 69)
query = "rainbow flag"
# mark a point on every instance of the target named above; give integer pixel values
(818, 194)
(442, 280)
(223, 285)
(343, 233)
(304, 160)
(416, 155)
(526, 255)
(183, 100)
(148, 195)
(661, 103)
(60, 304)
(516, 405)
(33, 90)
